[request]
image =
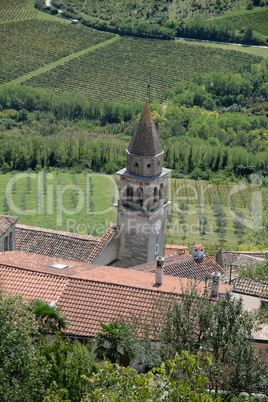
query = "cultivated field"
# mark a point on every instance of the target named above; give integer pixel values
(28, 45)
(14, 10)
(83, 203)
(257, 19)
(120, 70)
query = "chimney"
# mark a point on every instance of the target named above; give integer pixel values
(198, 251)
(215, 291)
(159, 270)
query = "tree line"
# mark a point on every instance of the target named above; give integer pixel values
(215, 127)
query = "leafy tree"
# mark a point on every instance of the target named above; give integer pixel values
(49, 318)
(115, 342)
(16, 348)
(62, 365)
(221, 328)
(180, 379)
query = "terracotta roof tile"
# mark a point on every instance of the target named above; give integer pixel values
(97, 295)
(53, 243)
(6, 222)
(32, 285)
(199, 246)
(250, 287)
(172, 250)
(185, 266)
(43, 263)
(228, 258)
(102, 243)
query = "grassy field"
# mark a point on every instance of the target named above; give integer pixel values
(253, 50)
(60, 200)
(28, 45)
(83, 203)
(120, 70)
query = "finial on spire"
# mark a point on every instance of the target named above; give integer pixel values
(148, 85)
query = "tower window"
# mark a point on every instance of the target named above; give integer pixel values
(129, 193)
(6, 244)
(149, 165)
(10, 241)
(161, 191)
(140, 195)
(157, 249)
(136, 164)
(155, 194)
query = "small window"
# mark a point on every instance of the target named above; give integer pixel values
(157, 249)
(129, 193)
(149, 165)
(136, 164)
(158, 163)
(161, 191)
(6, 244)
(140, 195)
(155, 194)
(10, 241)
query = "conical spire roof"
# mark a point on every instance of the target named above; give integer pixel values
(145, 141)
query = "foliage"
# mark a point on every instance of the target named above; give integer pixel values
(221, 328)
(16, 348)
(49, 318)
(62, 365)
(115, 342)
(32, 367)
(180, 379)
(256, 272)
(167, 20)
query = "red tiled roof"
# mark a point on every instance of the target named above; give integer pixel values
(32, 285)
(185, 266)
(53, 243)
(199, 247)
(6, 222)
(97, 295)
(172, 250)
(228, 258)
(102, 243)
(250, 287)
(43, 263)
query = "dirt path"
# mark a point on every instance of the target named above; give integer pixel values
(48, 4)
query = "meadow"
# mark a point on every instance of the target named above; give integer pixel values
(83, 202)
(120, 70)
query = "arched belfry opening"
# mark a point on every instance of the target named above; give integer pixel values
(144, 179)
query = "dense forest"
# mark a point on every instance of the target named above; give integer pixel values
(216, 127)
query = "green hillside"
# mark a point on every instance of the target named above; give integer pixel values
(257, 19)
(154, 11)
(28, 45)
(119, 71)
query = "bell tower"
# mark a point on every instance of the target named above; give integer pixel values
(143, 205)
